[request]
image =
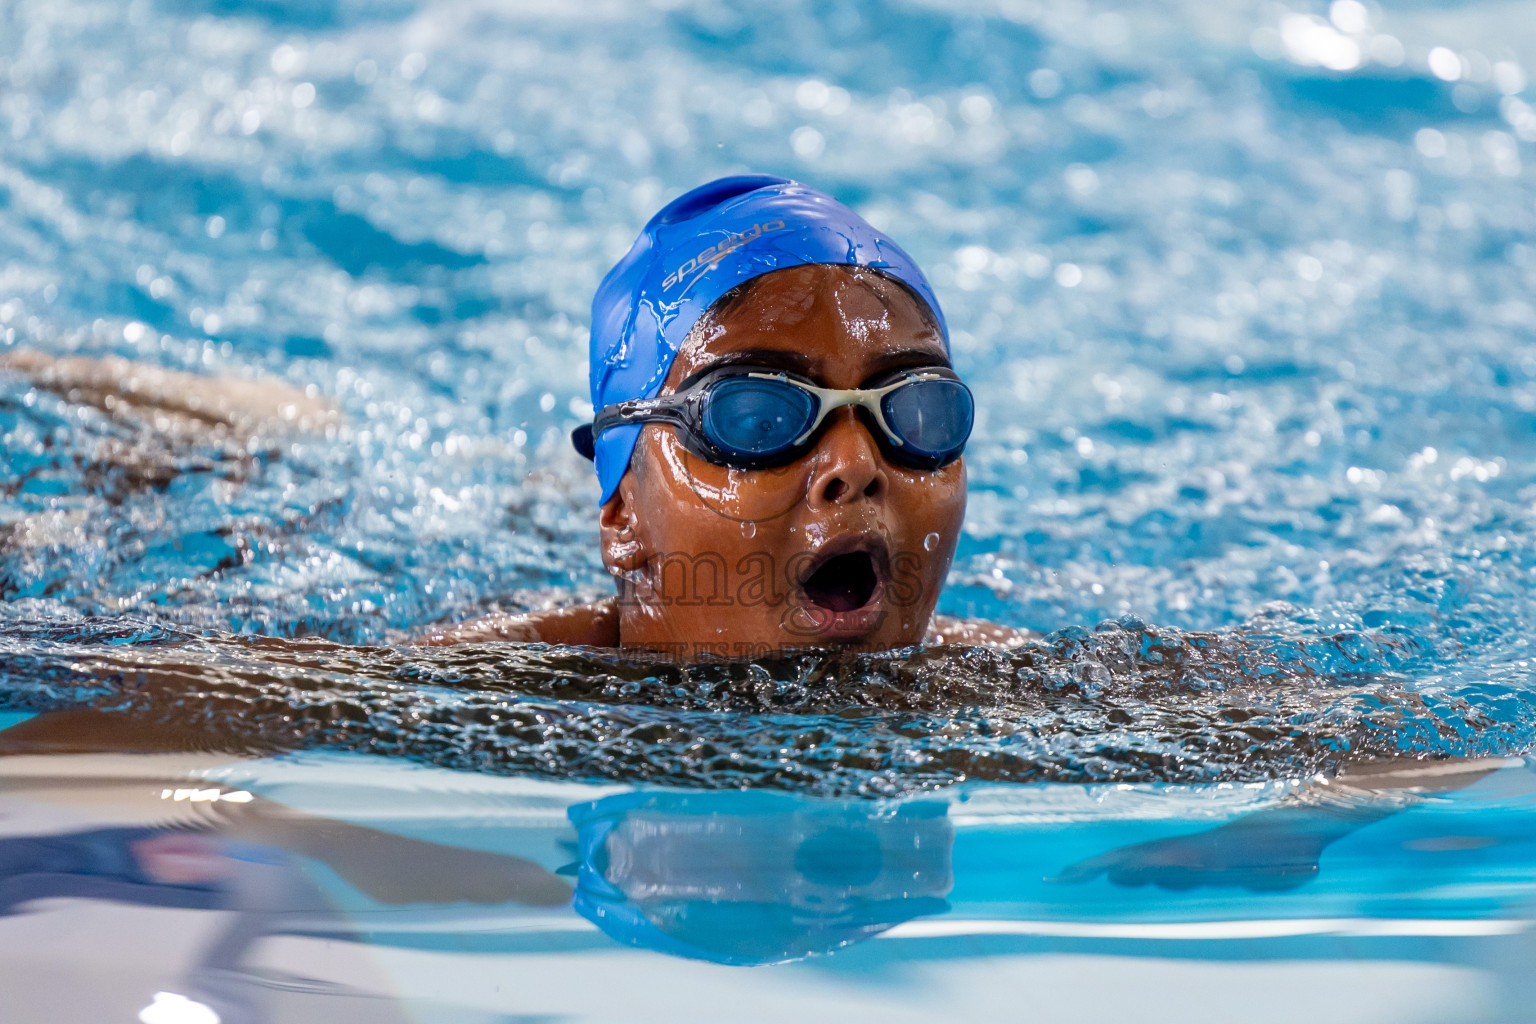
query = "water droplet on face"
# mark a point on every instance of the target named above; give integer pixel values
(930, 542)
(749, 529)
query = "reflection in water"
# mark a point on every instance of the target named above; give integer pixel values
(246, 868)
(1281, 846)
(260, 888)
(436, 900)
(757, 878)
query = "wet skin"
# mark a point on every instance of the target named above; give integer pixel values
(717, 560)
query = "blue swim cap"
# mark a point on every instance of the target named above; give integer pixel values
(700, 246)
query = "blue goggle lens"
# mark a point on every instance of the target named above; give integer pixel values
(757, 417)
(932, 417)
(753, 416)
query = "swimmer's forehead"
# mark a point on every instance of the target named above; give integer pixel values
(840, 324)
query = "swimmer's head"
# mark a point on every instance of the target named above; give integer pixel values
(698, 248)
(778, 430)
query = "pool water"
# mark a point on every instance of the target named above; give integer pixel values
(1244, 294)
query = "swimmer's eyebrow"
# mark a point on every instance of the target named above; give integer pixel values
(799, 362)
(905, 357)
(768, 358)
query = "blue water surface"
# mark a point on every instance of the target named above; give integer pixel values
(1243, 329)
(1244, 291)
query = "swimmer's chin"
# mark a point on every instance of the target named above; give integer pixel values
(810, 625)
(596, 624)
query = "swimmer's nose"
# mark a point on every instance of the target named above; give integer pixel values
(850, 467)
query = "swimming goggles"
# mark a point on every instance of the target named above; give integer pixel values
(751, 418)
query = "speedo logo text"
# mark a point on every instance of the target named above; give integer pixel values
(711, 256)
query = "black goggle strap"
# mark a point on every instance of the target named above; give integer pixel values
(672, 409)
(666, 409)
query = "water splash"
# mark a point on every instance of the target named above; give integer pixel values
(1123, 702)
(1186, 277)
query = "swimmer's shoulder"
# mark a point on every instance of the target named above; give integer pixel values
(593, 624)
(944, 629)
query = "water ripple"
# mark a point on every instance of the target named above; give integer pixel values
(1121, 703)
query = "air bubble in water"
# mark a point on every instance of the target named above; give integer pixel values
(930, 542)
(748, 528)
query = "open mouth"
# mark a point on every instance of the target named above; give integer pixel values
(844, 582)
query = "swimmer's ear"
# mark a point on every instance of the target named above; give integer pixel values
(619, 526)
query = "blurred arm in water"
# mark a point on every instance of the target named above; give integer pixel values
(1280, 847)
(159, 426)
(180, 406)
